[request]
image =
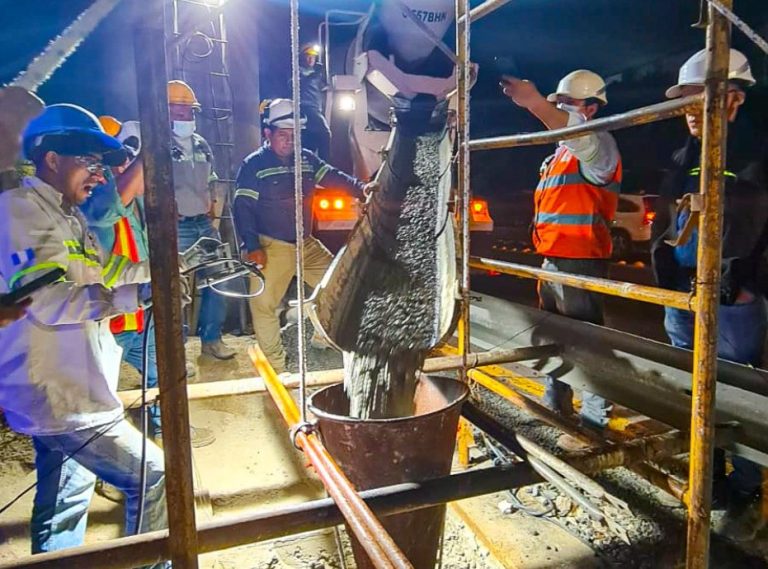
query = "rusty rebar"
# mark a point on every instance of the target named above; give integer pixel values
(378, 544)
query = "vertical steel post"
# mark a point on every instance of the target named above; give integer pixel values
(463, 189)
(149, 49)
(465, 438)
(708, 268)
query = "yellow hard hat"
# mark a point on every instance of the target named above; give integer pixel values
(110, 125)
(179, 93)
(311, 49)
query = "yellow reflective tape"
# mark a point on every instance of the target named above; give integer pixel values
(32, 269)
(114, 270)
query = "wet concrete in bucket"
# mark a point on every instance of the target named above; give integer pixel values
(399, 314)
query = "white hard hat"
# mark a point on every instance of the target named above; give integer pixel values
(279, 114)
(580, 84)
(694, 71)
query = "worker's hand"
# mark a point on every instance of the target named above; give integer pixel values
(258, 257)
(369, 188)
(9, 314)
(17, 107)
(522, 92)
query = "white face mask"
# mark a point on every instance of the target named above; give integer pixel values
(183, 129)
(570, 108)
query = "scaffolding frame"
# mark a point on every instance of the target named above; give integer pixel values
(704, 304)
(180, 541)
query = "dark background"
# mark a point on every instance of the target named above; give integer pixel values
(638, 46)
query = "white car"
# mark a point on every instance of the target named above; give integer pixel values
(631, 229)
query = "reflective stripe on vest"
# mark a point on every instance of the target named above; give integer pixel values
(572, 216)
(124, 251)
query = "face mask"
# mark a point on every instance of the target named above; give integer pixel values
(570, 108)
(183, 129)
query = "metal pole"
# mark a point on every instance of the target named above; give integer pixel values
(643, 115)
(251, 385)
(708, 266)
(149, 42)
(463, 186)
(482, 10)
(298, 205)
(644, 293)
(378, 544)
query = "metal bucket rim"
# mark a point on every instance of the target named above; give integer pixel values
(347, 419)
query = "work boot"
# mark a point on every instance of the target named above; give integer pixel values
(318, 342)
(201, 437)
(218, 349)
(109, 492)
(742, 519)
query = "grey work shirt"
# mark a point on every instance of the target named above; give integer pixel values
(192, 175)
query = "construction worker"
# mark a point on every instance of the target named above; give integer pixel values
(574, 204)
(317, 134)
(115, 214)
(193, 179)
(742, 317)
(59, 365)
(264, 213)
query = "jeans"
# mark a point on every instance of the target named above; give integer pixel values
(65, 487)
(581, 305)
(740, 338)
(132, 344)
(212, 308)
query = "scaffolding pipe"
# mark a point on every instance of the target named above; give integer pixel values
(643, 115)
(463, 186)
(378, 544)
(249, 385)
(482, 10)
(162, 223)
(708, 267)
(632, 291)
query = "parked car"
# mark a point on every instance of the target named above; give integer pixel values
(631, 229)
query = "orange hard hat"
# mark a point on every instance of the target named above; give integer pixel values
(179, 93)
(110, 125)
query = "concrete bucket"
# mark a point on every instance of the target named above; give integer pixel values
(380, 452)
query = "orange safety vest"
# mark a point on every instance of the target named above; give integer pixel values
(125, 246)
(572, 215)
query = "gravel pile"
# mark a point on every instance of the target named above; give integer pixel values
(654, 524)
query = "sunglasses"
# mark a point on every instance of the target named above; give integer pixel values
(93, 165)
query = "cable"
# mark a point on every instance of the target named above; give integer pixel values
(143, 415)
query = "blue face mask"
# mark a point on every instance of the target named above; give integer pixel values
(183, 129)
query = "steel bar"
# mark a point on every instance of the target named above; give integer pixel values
(643, 115)
(741, 24)
(463, 187)
(298, 205)
(251, 385)
(708, 267)
(381, 549)
(482, 10)
(162, 229)
(241, 530)
(643, 293)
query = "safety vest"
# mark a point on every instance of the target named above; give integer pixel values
(572, 215)
(125, 251)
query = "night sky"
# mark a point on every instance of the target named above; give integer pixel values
(540, 40)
